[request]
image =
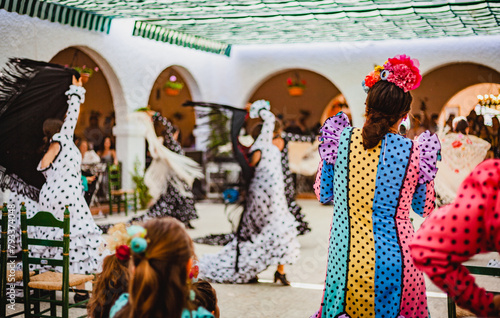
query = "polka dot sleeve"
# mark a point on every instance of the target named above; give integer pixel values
(76, 96)
(323, 186)
(424, 199)
(454, 233)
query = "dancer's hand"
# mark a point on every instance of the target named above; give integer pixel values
(77, 82)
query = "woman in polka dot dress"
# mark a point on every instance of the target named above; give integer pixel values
(172, 202)
(63, 186)
(374, 176)
(268, 231)
(452, 235)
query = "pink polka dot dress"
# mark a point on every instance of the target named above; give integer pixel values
(370, 272)
(453, 234)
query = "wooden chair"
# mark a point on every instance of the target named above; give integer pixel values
(8, 275)
(48, 281)
(476, 270)
(117, 194)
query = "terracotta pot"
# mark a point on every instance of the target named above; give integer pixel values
(172, 91)
(85, 77)
(295, 91)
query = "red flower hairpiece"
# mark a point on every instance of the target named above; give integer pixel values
(400, 70)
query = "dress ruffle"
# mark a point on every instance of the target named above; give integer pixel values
(276, 244)
(330, 136)
(430, 153)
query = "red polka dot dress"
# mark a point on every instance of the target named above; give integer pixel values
(370, 272)
(453, 234)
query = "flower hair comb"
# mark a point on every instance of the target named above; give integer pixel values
(400, 70)
(124, 240)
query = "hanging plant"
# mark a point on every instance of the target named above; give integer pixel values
(173, 87)
(85, 72)
(295, 86)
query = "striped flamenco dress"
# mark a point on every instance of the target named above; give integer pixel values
(370, 272)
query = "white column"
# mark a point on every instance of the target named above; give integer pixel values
(130, 147)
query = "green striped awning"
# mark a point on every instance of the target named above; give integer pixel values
(215, 25)
(58, 13)
(154, 32)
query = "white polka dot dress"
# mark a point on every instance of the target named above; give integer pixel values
(63, 187)
(269, 229)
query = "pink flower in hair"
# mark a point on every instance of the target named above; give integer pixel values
(404, 72)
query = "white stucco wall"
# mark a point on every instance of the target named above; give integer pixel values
(132, 64)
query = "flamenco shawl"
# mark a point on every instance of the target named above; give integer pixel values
(237, 121)
(30, 92)
(166, 165)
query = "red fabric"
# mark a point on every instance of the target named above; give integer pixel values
(453, 234)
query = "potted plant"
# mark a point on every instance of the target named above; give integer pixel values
(141, 188)
(85, 72)
(295, 87)
(173, 87)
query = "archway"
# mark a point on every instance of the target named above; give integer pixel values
(318, 94)
(463, 102)
(170, 105)
(441, 84)
(98, 99)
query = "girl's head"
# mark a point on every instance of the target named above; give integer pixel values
(460, 125)
(386, 104)
(206, 297)
(108, 286)
(159, 285)
(50, 127)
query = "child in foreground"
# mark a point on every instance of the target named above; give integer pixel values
(161, 255)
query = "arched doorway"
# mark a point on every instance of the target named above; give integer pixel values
(98, 99)
(464, 101)
(169, 103)
(440, 85)
(318, 94)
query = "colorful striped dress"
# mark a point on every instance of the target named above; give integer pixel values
(370, 272)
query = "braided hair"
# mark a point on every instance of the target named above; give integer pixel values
(386, 103)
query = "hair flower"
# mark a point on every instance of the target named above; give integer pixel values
(138, 245)
(400, 70)
(122, 252)
(136, 231)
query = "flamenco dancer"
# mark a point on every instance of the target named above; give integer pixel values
(30, 93)
(61, 166)
(171, 174)
(267, 233)
(373, 176)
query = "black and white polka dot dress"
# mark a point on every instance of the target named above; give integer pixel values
(270, 229)
(294, 208)
(172, 202)
(63, 186)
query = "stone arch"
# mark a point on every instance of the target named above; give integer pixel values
(170, 106)
(317, 95)
(108, 96)
(440, 84)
